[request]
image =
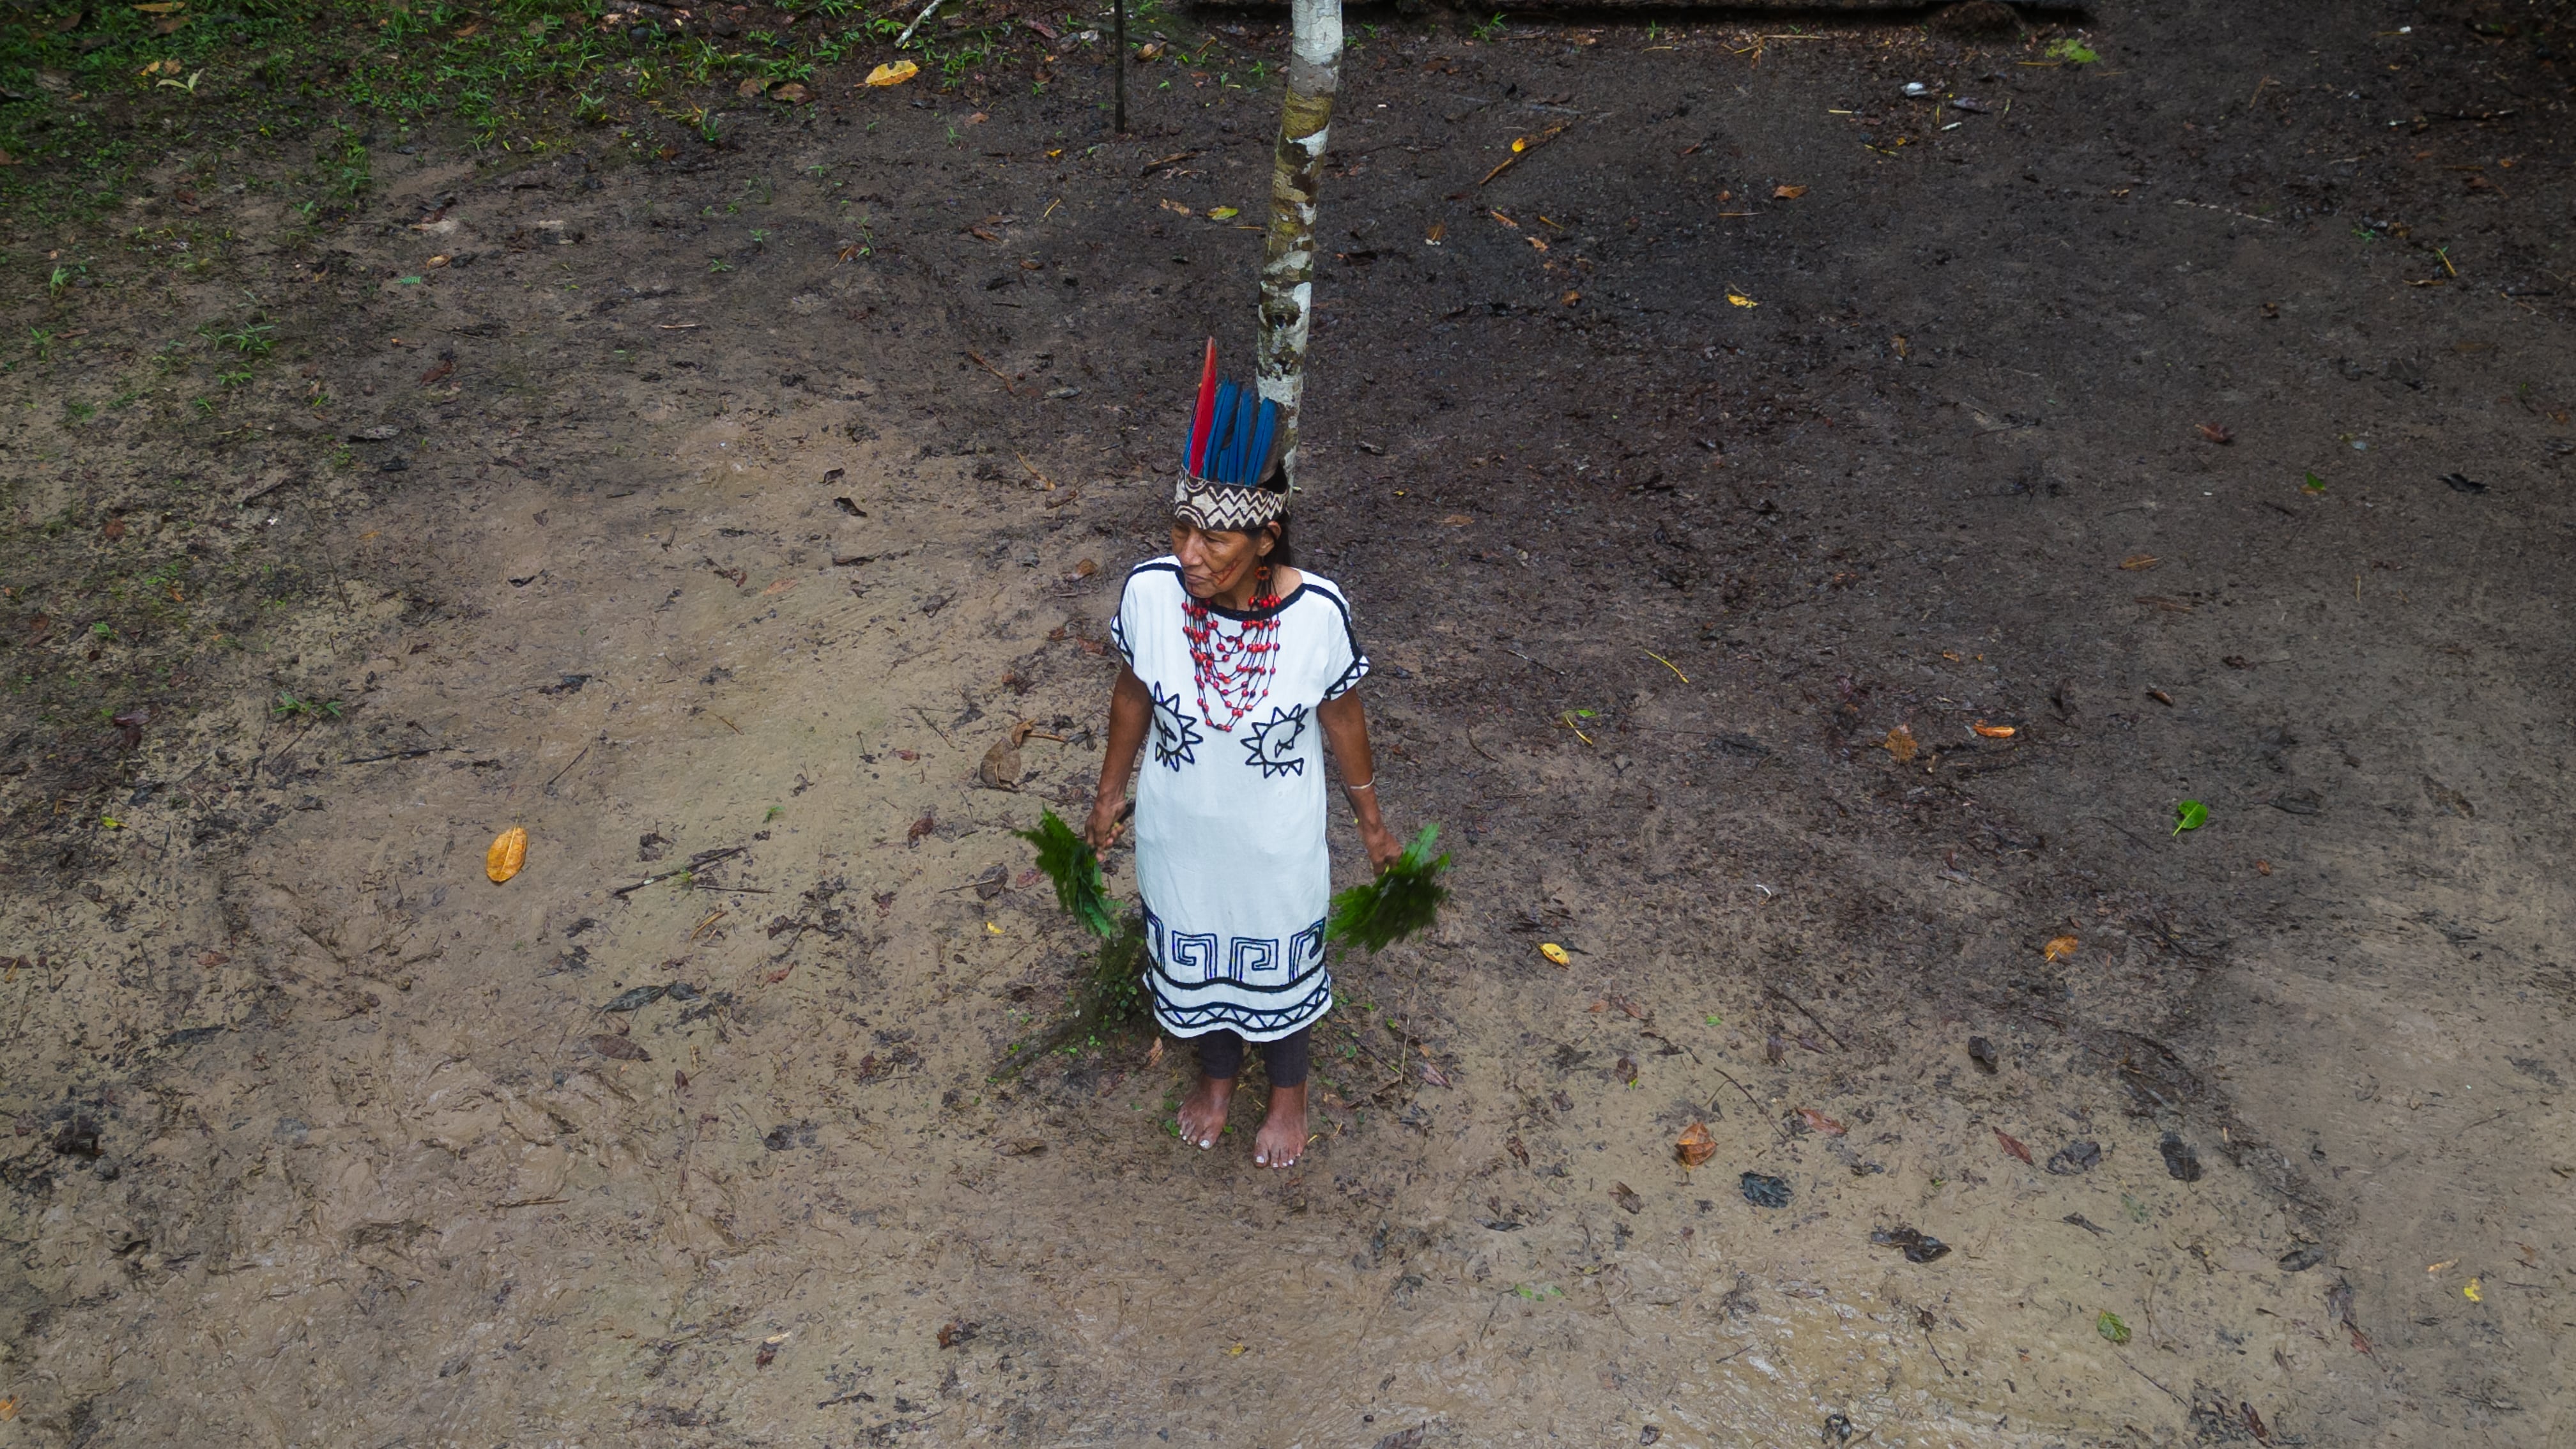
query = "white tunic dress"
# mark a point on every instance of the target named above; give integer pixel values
(1230, 854)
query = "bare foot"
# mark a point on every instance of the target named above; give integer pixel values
(1203, 1111)
(1282, 1139)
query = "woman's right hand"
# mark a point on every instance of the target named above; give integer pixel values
(1102, 831)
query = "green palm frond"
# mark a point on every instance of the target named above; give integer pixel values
(1075, 869)
(1395, 905)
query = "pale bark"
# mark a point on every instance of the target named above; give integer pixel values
(1288, 251)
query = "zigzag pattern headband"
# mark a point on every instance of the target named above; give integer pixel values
(1230, 458)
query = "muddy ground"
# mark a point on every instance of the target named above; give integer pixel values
(740, 498)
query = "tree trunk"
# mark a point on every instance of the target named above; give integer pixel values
(1288, 252)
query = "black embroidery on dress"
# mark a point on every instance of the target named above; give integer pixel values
(1175, 738)
(1273, 745)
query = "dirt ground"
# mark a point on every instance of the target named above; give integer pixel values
(1702, 482)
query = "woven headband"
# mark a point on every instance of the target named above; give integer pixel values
(1223, 506)
(1229, 462)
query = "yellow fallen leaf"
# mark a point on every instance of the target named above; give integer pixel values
(1571, 298)
(2471, 1292)
(1741, 300)
(2059, 948)
(509, 852)
(1556, 954)
(1438, 230)
(1695, 1146)
(1224, 213)
(1995, 732)
(893, 73)
(992, 928)
(9, 1407)
(1238, 1350)
(1787, 193)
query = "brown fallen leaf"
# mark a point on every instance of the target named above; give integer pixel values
(213, 958)
(1694, 1146)
(1432, 1074)
(1001, 767)
(919, 828)
(438, 374)
(2217, 434)
(1625, 1069)
(1900, 743)
(2262, 867)
(792, 93)
(113, 530)
(1438, 230)
(767, 1355)
(2059, 948)
(2011, 1144)
(619, 1048)
(2138, 563)
(953, 1334)
(1154, 1053)
(2160, 697)
(1995, 731)
(1818, 1122)
(1626, 1196)
(780, 587)
(1520, 1154)
(1787, 193)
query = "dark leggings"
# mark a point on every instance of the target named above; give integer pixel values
(1221, 1056)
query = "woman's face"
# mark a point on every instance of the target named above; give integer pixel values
(1214, 561)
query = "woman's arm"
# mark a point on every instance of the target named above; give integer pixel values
(1346, 731)
(1129, 709)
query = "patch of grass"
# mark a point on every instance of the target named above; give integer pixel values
(290, 707)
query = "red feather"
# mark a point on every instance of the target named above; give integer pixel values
(1206, 416)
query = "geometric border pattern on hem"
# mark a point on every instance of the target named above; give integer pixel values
(1252, 1022)
(1183, 962)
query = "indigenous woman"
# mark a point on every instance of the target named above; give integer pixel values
(1239, 672)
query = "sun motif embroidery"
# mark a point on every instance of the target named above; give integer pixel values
(1273, 745)
(1175, 738)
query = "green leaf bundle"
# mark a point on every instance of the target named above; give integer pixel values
(1395, 905)
(1070, 862)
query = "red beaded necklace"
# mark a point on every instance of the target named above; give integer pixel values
(1237, 666)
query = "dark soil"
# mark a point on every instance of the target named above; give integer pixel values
(1717, 485)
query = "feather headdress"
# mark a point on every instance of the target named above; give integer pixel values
(1230, 463)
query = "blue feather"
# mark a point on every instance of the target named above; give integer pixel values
(1246, 409)
(1220, 432)
(1264, 433)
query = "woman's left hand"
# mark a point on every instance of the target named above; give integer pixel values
(1383, 848)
